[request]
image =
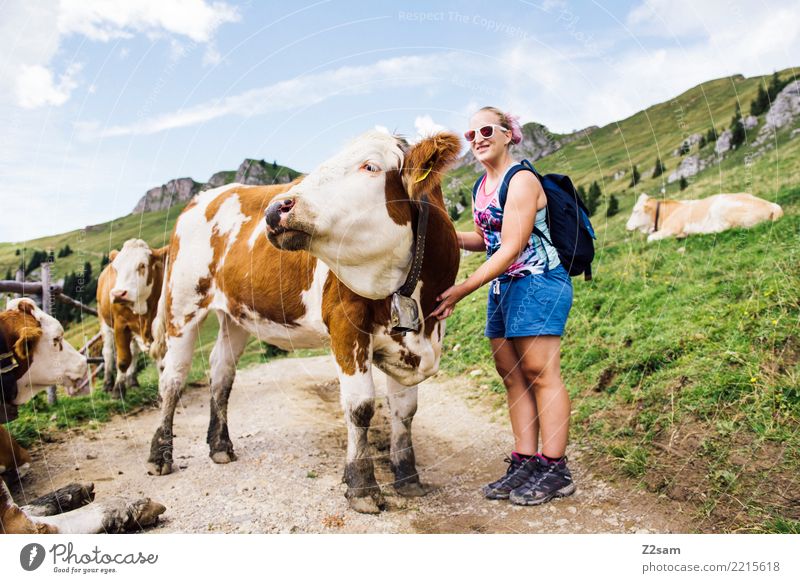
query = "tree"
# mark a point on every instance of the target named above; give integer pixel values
(592, 199)
(613, 206)
(659, 169)
(104, 261)
(635, 176)
(65, 251)
(761, 103)
(776, 86)
(683, 183)
(9, 276)
(702, 143)
(16, 251)
(452, 210)
(738, 135)
(685, 148)
(711, 136)
(274, 164)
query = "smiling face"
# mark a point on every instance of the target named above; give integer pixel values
(488, 150)
(40, 342)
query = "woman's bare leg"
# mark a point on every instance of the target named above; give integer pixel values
(521, 402)
(540, 360)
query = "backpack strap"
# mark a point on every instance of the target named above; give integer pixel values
(476, 187)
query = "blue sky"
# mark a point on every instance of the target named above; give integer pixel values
(101, 100)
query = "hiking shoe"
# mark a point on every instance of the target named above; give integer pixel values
(518, 472)
(549, 480)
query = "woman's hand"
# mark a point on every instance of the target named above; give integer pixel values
(449, 298)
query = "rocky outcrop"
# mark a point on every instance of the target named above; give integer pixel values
(689, 166)
(723, 142)
(750, 122)
(783, 112)
(260, 172)
(220, 179)
(182, 189)
(169, 194)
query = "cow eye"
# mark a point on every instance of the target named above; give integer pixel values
(370, 167)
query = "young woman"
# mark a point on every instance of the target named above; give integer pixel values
(529, 301)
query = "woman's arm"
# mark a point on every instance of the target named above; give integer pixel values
(471, 240)
(525, 194)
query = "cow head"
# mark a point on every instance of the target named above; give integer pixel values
(135, 266)
(643, 215)
(37, 341)
(354, 211)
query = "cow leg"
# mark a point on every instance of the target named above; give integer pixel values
(109, 358)
(62, 500)
(177, 364)
(358, 402)
(13, 455)
(230, 344)
(402, 407)
(122, 341)
(131, 379)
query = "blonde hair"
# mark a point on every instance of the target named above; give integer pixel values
(509, 121)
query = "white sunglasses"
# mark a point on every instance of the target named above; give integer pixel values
(486, 131)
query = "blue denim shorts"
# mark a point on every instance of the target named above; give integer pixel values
(533, 305)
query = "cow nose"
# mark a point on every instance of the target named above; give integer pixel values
(277, 210)
(119, 293)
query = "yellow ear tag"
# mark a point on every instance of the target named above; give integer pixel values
(424, 174)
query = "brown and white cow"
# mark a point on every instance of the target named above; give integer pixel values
(678, 218)
(128, 291)
(350, 227)
(33, 356)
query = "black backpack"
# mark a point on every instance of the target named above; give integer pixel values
(567, 219)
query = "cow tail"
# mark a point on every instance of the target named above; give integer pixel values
(159, 346)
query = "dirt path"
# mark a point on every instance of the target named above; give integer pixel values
(289, 435)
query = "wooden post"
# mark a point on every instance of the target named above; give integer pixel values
(20, 277)
(52, 399)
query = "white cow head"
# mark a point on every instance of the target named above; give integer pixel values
(641, 217)
(135, 267)
(354, 211)
(38, 343)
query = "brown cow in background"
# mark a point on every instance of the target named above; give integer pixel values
(127, 299)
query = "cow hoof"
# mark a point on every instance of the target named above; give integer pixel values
(118, 392)
(223, 457)
(162, 469)
(411, 489)
(366, 504)
(144, 513)
(23, 470)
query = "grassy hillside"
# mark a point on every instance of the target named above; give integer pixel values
(681, 357)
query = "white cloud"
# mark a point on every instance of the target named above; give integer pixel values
(104, 20)
(34, 31)
(36, 87)
(294, 93)
(426, 127)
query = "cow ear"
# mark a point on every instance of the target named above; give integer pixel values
(25, 344)
(113, 254)
(426, 162)
(26, 306)
(161, 253)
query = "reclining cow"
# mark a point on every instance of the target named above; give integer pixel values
(33, 356)
(127, 298)
(70, 510)
(351, 228)
(678, 218)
